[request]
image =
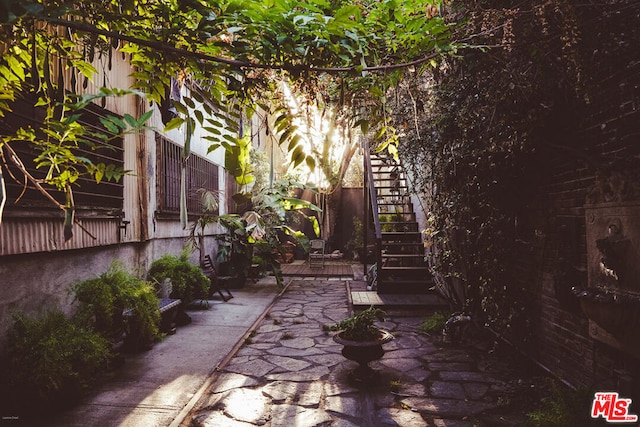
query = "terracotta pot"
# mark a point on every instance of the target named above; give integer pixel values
(363, 352)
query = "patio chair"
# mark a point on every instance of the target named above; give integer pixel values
(316, 253)
(218, 283)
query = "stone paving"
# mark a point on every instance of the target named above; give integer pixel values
(289, 372)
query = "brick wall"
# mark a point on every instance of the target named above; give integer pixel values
(604, 132)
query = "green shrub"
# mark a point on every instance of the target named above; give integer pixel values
(188, 282)
(434, 322)
(355, 245)
(143, 326)
(99, 305)
(102, 301)
(52, 360)
(562, 407)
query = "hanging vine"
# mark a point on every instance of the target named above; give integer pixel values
(483, 119)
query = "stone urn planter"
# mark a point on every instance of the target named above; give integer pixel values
(363, 352)
(362, 342)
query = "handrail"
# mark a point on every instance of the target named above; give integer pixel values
(373, 197)
(373, 203)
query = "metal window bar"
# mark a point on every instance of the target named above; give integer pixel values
(108, 195)
(201, 174)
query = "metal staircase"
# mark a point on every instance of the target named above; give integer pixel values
(401, 268)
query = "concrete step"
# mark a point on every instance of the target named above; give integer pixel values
(397, 286)
(402, 248)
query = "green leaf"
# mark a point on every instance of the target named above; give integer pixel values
(117, 121)
(108, 124)
(212, 147)
(298, 156)
(85, 68)
(293, 203)
(174, 123)
(364, 125)
(130, 120)
(316, 225)
(15, 66)
(311, 163)
(293, 143)
(99, 174)
(180, 107)
(144, 118)
(188, 102)
(199, 116)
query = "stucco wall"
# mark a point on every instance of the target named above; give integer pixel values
(33, 283)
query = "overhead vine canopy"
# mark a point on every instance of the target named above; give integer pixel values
(231, 51)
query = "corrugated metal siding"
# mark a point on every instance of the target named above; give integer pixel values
(18, 236)
(132, 201)
(29, 235)
(116, 75)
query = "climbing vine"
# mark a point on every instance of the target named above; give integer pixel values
(230, 52)
(476, 130)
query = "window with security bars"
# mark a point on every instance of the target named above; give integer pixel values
(201, 174)
(24, 198)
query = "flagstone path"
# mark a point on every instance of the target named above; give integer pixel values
(290, 372)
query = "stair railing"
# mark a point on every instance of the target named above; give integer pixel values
(372, 204)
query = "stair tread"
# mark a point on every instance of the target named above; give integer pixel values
(399, 222)
(403, 243)
(386, 255)
(400, 233)
(405, 270)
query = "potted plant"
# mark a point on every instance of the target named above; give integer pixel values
(188, 282)
(362, 341)
(235, 252)
(260, 231)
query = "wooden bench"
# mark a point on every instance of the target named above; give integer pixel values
(168, 308)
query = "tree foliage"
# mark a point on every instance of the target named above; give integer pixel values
(229, 51)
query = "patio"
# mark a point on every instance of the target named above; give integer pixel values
(331, 268)
(289, 372)
(263, 359)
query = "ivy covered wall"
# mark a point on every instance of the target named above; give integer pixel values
(504, 144)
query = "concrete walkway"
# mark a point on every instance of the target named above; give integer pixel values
(155, 388)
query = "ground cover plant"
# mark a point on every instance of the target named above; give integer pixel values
(103, 300)
(52, 361)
